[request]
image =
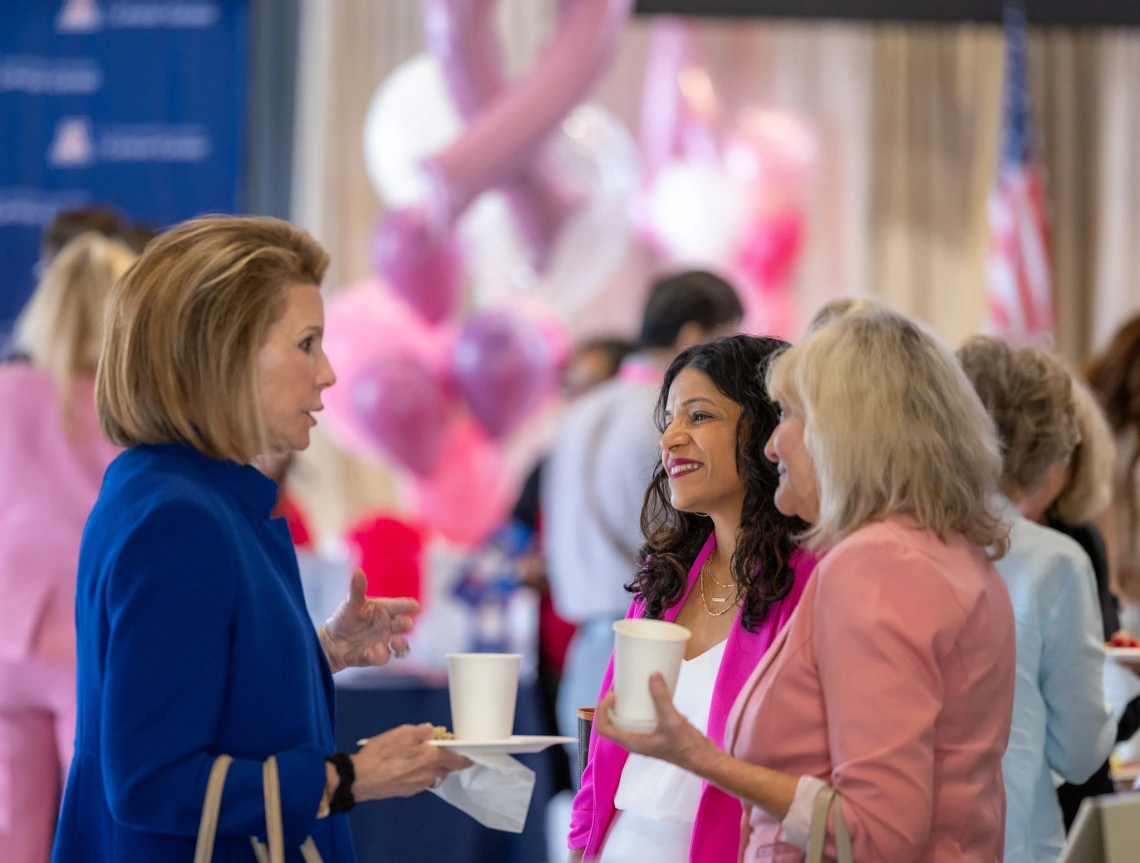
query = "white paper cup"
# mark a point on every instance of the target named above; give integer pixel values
(642, 648)
(483, 689)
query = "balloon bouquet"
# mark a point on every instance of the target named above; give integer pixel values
(511, 187)
(725, 192)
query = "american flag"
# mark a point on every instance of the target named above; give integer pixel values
(1019, 279)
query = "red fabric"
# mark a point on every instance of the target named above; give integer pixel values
(390, 552)
(554, 634)
(295, 517)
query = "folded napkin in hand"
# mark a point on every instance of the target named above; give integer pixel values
(496, 791)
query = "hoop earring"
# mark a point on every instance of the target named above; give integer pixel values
(700, 514)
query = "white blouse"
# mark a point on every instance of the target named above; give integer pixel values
(656, 801)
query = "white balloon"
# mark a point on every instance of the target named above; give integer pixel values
(411, 117)
(699, 213)
(595, 157)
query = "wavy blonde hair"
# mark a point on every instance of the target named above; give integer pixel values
(1029, 395)
(61, 328)
(893, 428)
(832, 311)
(1092, 473)
(185, 326)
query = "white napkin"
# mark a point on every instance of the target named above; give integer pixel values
(496, 791)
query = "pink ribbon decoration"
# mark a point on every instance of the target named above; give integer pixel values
(508, 125)
(460, 35)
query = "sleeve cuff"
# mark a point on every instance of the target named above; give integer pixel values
(796, 826)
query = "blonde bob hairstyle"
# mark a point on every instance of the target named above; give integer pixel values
(184, 328)
(1092, 471)
(61, 328)
(1029, 395)
(894, 429)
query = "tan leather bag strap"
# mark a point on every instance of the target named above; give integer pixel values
(211, 806)
(823, 806)
(274, 850)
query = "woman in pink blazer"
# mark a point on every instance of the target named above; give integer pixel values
(720, 560)
(893, 681)
(52, 459)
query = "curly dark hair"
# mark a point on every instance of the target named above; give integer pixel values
(765, 541)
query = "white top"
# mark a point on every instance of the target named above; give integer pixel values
(593, 487)
(657, 802)
(660, 790)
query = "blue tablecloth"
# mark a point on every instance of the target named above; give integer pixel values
(424, 829)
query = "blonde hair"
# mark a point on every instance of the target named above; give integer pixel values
(1092, 472)
(830, 312)
(61, 328)
(184, 328)
(1029, 395)
(893, 429)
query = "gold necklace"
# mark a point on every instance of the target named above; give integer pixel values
(712, 578)
(705, 602)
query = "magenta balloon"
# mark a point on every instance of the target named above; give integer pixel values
(509, 130)
(501, 368)
(421, 263)
(461, 35)
(402, 407)
(470, 492)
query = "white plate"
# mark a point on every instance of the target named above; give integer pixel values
(518, 744)
(1124, 655)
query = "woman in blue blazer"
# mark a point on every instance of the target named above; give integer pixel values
(193, 636)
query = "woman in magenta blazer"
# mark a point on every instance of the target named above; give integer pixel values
(52, 459)
(719, 559)
(893, 682)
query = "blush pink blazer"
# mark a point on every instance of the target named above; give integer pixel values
(893, 683)
(716, 832)
(50, 479)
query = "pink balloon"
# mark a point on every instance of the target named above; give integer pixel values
(502, 368)
(364, 322)
(421, 262)
(771, 248)
(402, 406)
(470, 492)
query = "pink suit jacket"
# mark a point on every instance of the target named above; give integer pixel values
(51, 478)
(893, 683)
(716, 832)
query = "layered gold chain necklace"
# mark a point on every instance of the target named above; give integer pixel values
(704, 601)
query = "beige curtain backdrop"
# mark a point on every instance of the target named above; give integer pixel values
(908, 118)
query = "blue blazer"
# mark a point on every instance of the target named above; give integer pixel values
(193, 641)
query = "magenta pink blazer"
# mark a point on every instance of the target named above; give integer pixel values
(716, 832)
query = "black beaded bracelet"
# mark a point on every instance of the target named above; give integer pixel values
(342, 799)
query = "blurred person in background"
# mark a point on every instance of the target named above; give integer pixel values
(592, 363)
(52, 460)
(1114, 376)
(601, 463)
(65, 227)
(1086, 495)
(1060, 721)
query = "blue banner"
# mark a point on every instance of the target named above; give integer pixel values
(135, 105)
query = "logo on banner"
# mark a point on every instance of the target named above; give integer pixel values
(79, 16)
(72, 147)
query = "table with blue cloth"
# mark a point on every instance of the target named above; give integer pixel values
(425, 829)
